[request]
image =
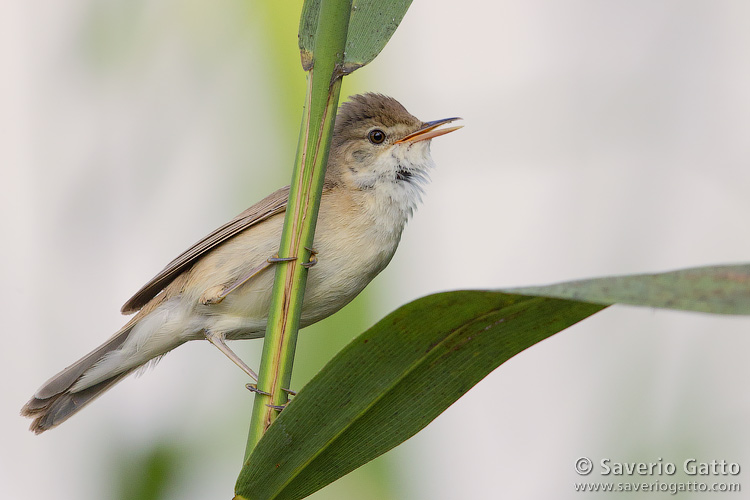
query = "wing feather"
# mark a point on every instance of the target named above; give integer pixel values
(264, 209)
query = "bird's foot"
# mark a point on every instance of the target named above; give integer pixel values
(313, 258)
(254, 388)
(276, 259)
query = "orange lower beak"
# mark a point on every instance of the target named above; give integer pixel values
(430, 130)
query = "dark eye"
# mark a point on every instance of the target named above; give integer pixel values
(376, 136)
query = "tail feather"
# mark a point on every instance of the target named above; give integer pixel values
(48, 413)
(55, 402)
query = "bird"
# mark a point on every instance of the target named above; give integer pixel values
(220, 288)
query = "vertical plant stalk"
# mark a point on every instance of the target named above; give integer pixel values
(323, 87)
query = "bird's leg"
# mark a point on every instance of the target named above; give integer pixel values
(216, 294)
(217, 339)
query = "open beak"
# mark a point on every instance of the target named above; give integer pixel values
(430, 130)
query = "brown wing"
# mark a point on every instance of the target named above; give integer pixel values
(268, 207)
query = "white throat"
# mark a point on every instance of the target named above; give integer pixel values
(395, 183)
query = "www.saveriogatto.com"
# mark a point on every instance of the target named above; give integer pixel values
(689, 475)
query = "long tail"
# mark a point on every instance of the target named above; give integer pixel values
(56, 401)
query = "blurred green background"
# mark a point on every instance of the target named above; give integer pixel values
(600, 138)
